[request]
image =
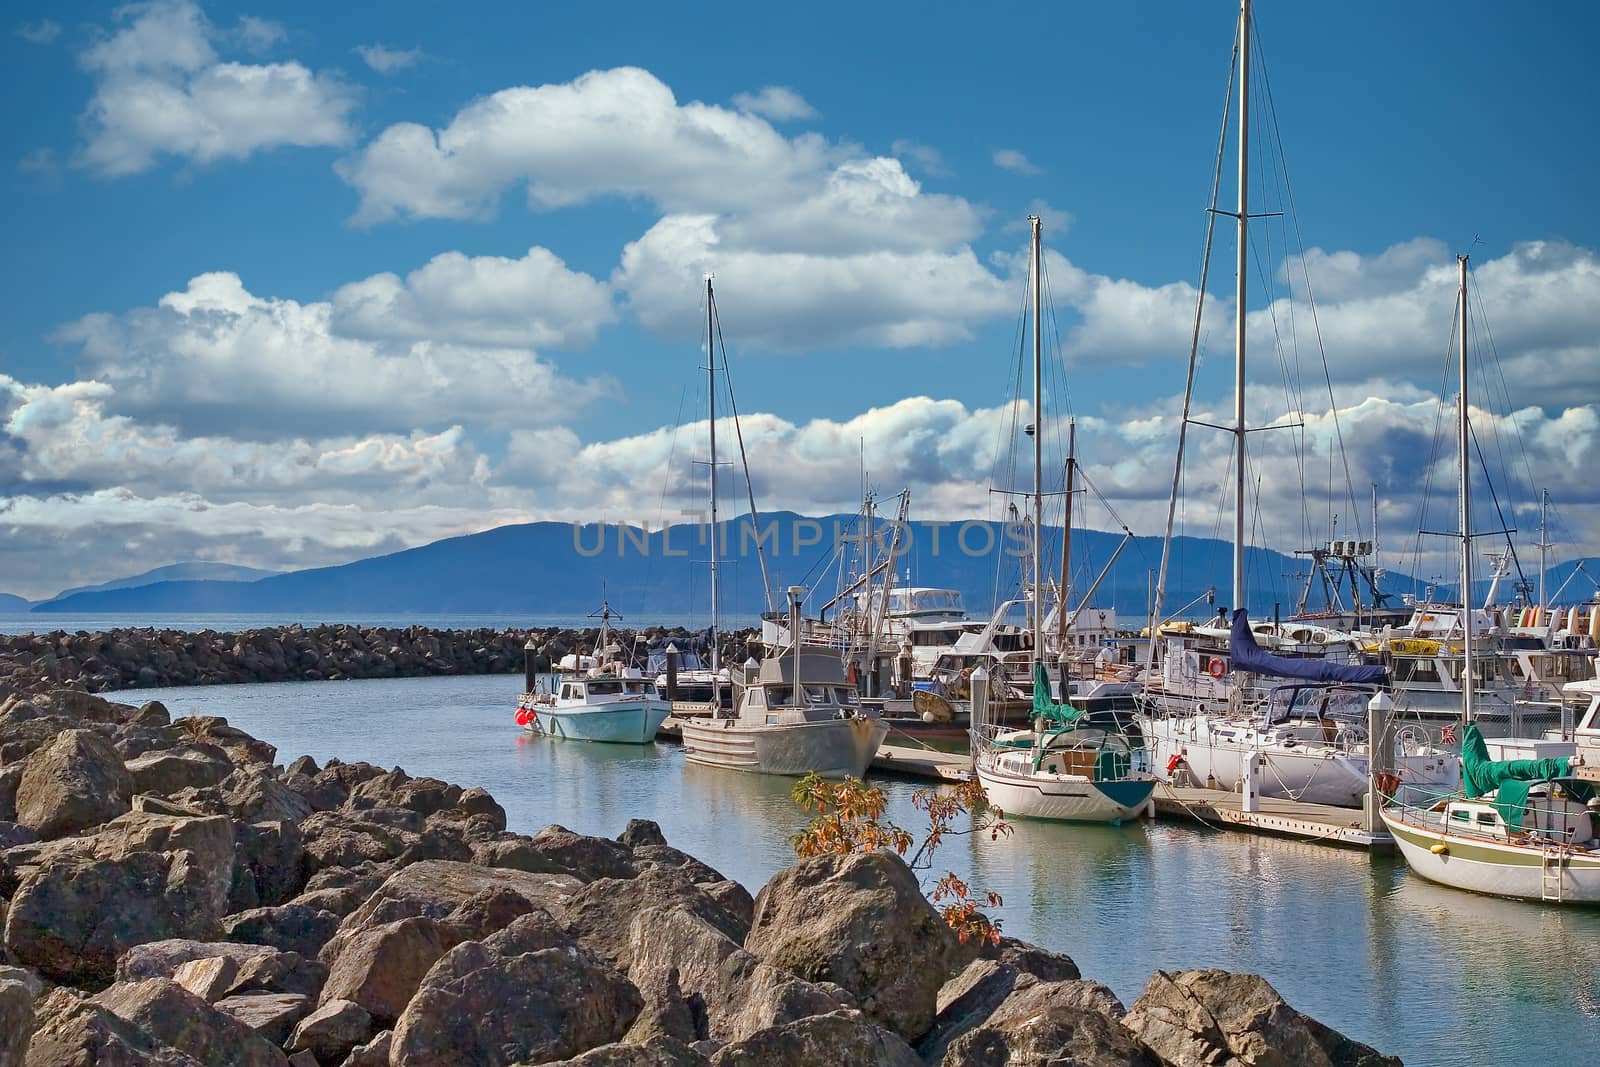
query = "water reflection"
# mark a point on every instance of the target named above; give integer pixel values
(1435, 976)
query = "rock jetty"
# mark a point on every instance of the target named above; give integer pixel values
(147, 658)
(172, 894)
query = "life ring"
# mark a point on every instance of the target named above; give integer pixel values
(1174, 762)
(1216, 668)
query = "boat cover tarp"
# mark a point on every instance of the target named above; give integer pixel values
(1062, 714)
(1248, 656)
(1480, 774)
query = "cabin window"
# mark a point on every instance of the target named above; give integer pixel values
(844, 696)
(779, 695)
(566, 692)
(605, 688)
(634, 687)
(1486, 818)
(758, 698)
(1461, 816)
(817, 694)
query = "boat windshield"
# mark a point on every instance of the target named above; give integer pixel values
(604, 688)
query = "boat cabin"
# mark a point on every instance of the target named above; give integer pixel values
(604, 688)
(769, 695)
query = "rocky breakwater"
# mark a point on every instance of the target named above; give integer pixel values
(146, 658)
(171, 894)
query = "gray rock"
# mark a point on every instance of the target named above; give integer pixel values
(642, 832)
(656, 1052)
(601, 913)
(260, 969)
(12, 833)
(271, 1015)
(1208, 1017)
(374, 1053)
(587, 858)
(70, 1030)
(178, 1018)
(380, 968)
(1051, 1034)
(166, 772)
(270, 865)
(288, 928)
(332, 1031)
(839, 1039)
(74, 783)
(477, 801)
(252, 794)
(860, 921)
(16, 1021)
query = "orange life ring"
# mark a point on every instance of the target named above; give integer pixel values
(1217, 668)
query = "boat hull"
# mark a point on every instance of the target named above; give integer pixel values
(835, 748)
(1065, 798)
(631, 722)
(1498, 869)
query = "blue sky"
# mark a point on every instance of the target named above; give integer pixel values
(856, 176)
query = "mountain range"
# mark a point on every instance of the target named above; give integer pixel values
(548, 569)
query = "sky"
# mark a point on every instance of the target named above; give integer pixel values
(291, 285)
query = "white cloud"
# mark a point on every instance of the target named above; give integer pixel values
(259, 35)
(161, 89)
(386, 60)
(776, 102)
(42, 32)
(1013, 160)
(928, 159)
(214, 358)
(534, 301)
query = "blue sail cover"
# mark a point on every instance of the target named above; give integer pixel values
(1247, 656)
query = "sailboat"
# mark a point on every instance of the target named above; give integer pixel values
(1204, 716)
(1063, 767)
(793, 713)
(597, 698)
(1519, 828)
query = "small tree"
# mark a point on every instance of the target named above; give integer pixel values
(848, 817)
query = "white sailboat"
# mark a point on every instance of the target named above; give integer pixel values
(1062, 768)
(1520, 828)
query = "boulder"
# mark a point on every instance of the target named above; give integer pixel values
(435, 888)
(396, 789)
(1043, 964)
(642, 832)
(176, 1017)
(332, 1031)
(601, 913)
(736, 902)
(1051, 1035)
(74, 783)
(587, 858)
(166, 772)
(656, 1052)
(667, 856)
(270, 864)
(380, 968)
(12, 833)
(10, 779)
(492, 1003)
(374, 1053)
(839, 1039)
(271, 1015)
(253, 794)
(16, 1021)
(288, 927)
(975, 995)
(259, 969)
(70, 1030)
(1217, 1017)
(858, 920)
(341, 890)
(209, 979)
(477, 801)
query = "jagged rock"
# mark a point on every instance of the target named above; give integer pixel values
(74, 783)
(16, 1021)
(288, 927)
(374, 1053)
(858, 920)
(252, 794)
(477, 801)
(342, 890)
(209, 979)
(178, 1018)
(34, 983)
(395, 789)
(600, 913)
(506, 1000)
(165, 772)
(79, 706)
(81, 903)
(980, 991)
(70, 1030)
(10, 779)
(1043, 964)
(482, 914)
(736, 901)
(839, 1039)
(303, 765)
(666, 1013)
(514, 852)
(304, 1059)
(656, 1052)
(332, 1031)
(344, 838)
(1204, 1017)
(641, 832)
(260, 969)
(270, 865)
(1052, 1034)
(587, 858)
(380, 968)
(12, 833)
(271, 1015)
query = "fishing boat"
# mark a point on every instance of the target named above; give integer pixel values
(603, 701)
(1063, 767)
(795, 713)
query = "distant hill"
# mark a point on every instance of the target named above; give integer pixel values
(8, 602)
(175, 572)
(550, 568)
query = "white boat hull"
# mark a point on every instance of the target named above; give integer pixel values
(833, 748)
(1502, 869)
(633, 722)
(1065, 798)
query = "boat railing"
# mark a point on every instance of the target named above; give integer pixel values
(1429, 809)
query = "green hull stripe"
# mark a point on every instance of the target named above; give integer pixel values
(1484, 853)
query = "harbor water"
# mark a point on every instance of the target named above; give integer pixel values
(1435, 976)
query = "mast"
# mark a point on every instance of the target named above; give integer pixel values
(1464, 503)
(1038, 442)
(1066, 536)
(711, 411)
(1544, 551)
(1243, 218)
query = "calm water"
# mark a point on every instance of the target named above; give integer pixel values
(1433, 975)
(72, 622)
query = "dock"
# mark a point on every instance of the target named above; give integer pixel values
(909, 761)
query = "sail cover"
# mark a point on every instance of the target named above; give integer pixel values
(1480, 774)
(1063, 714)
(1247, 656)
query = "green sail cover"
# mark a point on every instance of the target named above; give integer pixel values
(1062, 714)
(1480, 774)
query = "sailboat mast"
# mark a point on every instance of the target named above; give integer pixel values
(711, 412)
(1464, 503)
(1038, 443)
(1239, 499)
(1066, 535)
(1544, 549)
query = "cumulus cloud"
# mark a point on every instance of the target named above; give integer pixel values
(386, 60)
(216, 358)
(776, 102)
(1014, 161)
(42, 32)
(162, 89)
